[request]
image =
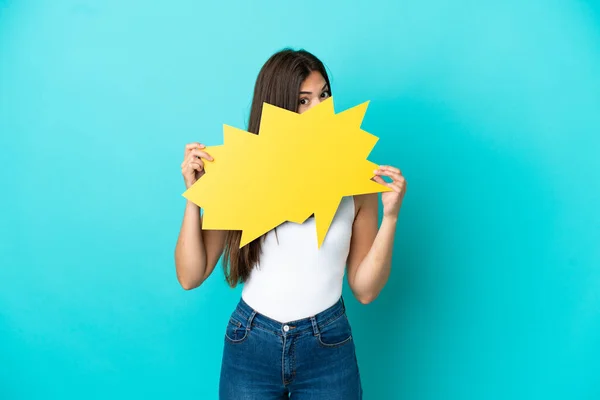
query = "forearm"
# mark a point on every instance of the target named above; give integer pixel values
(190, 252)
(373, 272)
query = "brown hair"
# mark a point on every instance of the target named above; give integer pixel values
(278, 83)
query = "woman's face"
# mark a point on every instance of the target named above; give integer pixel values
(313, 90)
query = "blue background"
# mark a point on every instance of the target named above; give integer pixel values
(490, 108)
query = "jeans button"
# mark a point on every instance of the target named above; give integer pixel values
(286, 328)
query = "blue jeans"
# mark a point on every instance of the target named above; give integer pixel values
(312, 358)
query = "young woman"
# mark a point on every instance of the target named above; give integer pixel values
(289, 334)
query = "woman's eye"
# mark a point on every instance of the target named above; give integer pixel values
(325, 95)
(303, 102)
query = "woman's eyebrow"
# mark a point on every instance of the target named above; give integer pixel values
(324, 87)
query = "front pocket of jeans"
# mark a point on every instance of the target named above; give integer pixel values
(335, 333)
(235, 332)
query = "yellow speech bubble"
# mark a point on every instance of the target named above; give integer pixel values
(298, 164)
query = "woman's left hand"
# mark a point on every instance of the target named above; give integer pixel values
(391, 200)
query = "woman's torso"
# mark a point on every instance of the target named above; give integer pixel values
(295, 278)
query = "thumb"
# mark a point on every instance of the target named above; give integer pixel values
(379, 179)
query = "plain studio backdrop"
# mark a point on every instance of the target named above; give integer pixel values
(490, 108)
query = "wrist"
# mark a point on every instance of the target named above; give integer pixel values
(390, 219)
(189, 184)
(191, 205)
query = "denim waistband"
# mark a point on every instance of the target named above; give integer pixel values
(313, 323)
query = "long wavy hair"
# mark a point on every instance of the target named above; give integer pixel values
(278, 83)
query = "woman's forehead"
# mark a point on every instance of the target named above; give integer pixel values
(313, 81)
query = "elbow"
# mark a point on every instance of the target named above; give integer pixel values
(366, 299)
(363, 296)
(186, 275)
(188, 285)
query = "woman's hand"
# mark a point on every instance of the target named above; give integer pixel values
(391, 200)
(192, 167)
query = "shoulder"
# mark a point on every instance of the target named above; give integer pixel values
(365, 201)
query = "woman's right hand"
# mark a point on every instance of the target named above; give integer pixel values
(192, 167)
